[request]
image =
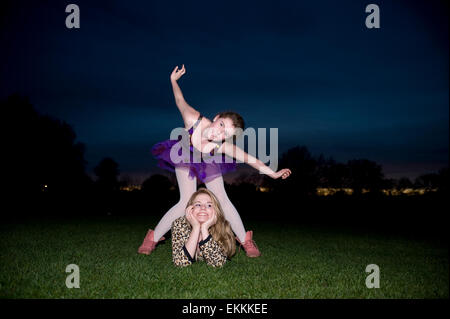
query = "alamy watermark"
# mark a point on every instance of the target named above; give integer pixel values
(373, 280)
(373, 19)
(73, 280)
(73, 19)
(257, 148)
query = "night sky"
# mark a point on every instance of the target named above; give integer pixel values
(310, 68)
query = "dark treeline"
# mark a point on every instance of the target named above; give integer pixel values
(43, 150)
(48, 176)
(360, 175)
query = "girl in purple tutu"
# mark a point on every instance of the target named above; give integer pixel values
(208, 144)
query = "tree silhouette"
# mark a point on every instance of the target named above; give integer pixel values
(333, 174)
(107, 172)
(434, 181)
(44, 153)
(365, 174)
(404, 182)
(248, 182)
(305, 176)
(157, 191)
(427, 180)
(157, 184)
(389, 183)
(443, 180)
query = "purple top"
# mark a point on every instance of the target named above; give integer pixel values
(204, 171)
(191, 131)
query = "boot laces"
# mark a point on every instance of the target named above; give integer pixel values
(250, 244)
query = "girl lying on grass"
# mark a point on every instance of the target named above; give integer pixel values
(203, 233)
(213, 139)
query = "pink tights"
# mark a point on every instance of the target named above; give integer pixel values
(187, 187)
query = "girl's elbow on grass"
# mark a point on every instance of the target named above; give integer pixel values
(216, 260)
(181, 263)
(217, 265)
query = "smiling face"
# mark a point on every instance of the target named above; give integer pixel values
(220, 129)
(203, 208)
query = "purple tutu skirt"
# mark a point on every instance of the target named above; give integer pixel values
(204, 171)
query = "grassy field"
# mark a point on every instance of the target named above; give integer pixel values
(296, 262)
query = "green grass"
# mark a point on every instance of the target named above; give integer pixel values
(296, 262)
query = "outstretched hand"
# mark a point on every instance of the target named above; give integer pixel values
(283, 173)
(177, 73)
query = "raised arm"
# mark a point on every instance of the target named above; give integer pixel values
(236, 152)
(188, 113)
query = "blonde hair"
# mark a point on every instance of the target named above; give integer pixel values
(221, 230)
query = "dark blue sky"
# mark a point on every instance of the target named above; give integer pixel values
(310, 68)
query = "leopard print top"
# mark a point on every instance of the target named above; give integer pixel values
(208, 250)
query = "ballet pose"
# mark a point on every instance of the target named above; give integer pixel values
(211, 139)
